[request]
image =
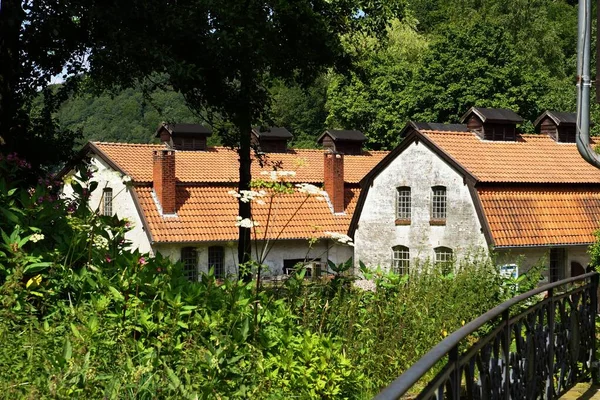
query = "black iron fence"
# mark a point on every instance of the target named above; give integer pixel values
(540, 344)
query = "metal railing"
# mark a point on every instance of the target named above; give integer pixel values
(541, 343)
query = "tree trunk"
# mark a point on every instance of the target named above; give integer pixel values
(11, 19)
(244, 128)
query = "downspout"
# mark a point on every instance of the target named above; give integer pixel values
(583, 84)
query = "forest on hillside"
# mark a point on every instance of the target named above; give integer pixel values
(442, 58)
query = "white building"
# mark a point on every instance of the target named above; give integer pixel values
(450, 190)
(180, 204)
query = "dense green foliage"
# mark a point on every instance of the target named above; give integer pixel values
(440, 59)
(83, 317)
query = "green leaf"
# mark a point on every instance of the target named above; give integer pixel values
(116, 294)
(37, 267)
(67, 350)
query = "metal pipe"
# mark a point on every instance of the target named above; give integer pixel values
(583, 83)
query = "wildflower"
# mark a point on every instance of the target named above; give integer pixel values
(245, 222)
(365, 284)
(31, 191)
(107, 258)
(309, 189)
(142, 261)
(36, 237)
(340, 237)
(234, 193)
(100, 242)
(260, 202)
(126, 179)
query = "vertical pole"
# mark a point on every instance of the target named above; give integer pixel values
(506, 344)
(550, 361)
(593, 314)
(455, 375)
(597, 78)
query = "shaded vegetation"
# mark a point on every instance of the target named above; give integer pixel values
(83, 316)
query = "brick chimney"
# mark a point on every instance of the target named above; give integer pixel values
(163, 179)
(334, 179)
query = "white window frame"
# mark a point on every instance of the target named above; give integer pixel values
(107, 202)
(401, 260)
(403, 202)
(439, 203)
(444, 258)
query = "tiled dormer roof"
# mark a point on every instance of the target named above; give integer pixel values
(220, 164)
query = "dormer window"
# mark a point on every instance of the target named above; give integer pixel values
(190, 137)
(497, 124)
(560, 126)
(345, 142)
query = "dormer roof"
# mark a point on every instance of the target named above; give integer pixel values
(184, 129)
(559, 118)
(274, 132)
(345, 135)
(493, 115)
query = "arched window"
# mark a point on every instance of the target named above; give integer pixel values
(401, 260)
(107, 202)
(438, 203)
(189, 259)
(403, 203)
(216, 260)
(444, 257)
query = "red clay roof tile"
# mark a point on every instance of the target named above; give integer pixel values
(541, 216)
(530, 159)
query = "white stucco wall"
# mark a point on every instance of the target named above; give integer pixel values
(282, 250)
(418, 168)
(123, 205)
(527, 257)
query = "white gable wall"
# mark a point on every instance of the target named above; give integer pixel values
(419, 168)
(123, 205)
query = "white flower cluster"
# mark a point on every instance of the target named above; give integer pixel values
(310, 189)
(36, 237)
(278, 175)
(365, 284)
(340, 237)
(100, 242)
(247, 196)
(126, 179)
(245, 222)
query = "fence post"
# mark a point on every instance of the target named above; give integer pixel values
(550, 379)
(455, 374)
(506, 345)
(594, 313)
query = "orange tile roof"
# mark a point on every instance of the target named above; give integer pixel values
(531, 159)
(220, 164)
(208, 213)
(541, 216)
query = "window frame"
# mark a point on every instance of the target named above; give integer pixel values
(189, 259)
(401, 260)
(439, 205)
(403, 205)
(445, 262)
(216, 260)
(107, 202)
(558, 264)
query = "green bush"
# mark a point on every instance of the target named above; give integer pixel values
(82, 316)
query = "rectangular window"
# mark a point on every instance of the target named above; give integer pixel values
(107, 198)
(189, 259)
(558, 258)
(401, 260)
(403, 205)
(216, 258)
(438, 203)
(444, 257)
